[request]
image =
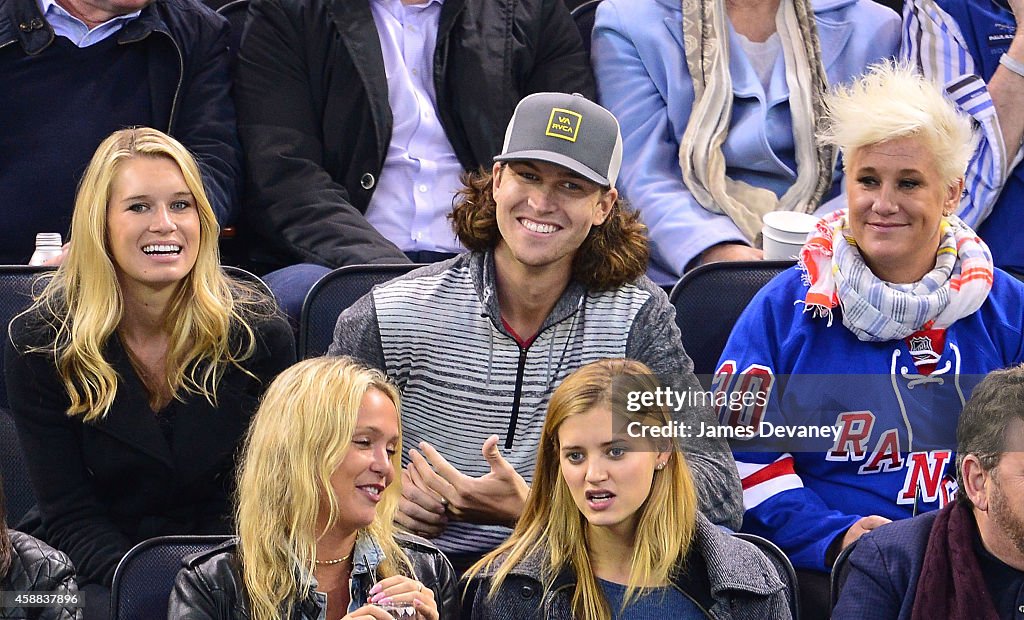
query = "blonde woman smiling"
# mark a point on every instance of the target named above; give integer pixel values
(134, 374)
(317, 496)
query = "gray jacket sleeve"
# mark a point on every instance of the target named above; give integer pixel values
(654, 339)
(357, 334)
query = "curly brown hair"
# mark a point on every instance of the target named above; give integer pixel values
(614, 253)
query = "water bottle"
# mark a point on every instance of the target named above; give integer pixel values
(47, 247)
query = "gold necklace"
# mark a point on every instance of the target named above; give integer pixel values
(332, 562)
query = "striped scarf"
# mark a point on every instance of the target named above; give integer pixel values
(879, 311)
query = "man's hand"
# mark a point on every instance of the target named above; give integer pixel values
(861, 527)
(420, 511)
(497, 497)
(730, 252)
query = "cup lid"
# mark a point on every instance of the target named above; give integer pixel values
(790, 221)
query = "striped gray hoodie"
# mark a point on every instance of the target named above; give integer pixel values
(437, 332)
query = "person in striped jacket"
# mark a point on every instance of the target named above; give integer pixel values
(477, 344)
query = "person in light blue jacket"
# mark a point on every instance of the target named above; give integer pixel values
(766, 66)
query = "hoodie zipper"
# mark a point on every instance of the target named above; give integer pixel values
(517, 396)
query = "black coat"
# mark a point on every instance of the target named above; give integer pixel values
(315, 122)
(210, 587)
(104, 486)
(38, 567)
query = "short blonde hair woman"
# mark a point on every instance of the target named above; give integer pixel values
(611, 522)
(317, 495)
(133, 376)
(895, 313)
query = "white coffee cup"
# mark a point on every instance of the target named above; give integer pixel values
(784, 233)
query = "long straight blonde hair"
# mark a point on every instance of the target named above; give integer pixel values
(82, 301)
(552, 524)
(300, 434)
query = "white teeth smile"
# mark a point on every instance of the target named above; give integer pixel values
(162, 249)
(537, 227)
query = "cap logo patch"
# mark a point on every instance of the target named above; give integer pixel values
(564, 124)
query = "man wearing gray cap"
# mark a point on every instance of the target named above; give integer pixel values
(553, 280)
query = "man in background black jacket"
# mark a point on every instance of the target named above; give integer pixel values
(316, 90)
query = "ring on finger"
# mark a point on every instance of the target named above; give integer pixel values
(444, 501)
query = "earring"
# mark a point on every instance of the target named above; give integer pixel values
(659, 466)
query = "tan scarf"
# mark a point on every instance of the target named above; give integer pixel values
(706, 42)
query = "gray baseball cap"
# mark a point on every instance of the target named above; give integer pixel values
(567, 130)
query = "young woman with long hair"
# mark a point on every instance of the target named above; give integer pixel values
(134, 374)
(610, 528)
(317, 495)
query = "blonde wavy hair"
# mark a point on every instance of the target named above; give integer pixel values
(300, 434)
(82, 301)
(552, 524)
(892, 100)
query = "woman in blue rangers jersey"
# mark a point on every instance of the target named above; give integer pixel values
(896, 296)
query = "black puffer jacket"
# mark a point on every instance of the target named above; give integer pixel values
(38, 567)
(210, 587)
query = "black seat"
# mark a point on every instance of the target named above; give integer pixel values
(144, 578)
(583, 15)
(782, 565)
(17, 486)
(334, 292)
(709, 300)
(247, 276)
(18, 284)
(840, 571)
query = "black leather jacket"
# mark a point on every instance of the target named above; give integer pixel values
(38, 567)
(210, 586)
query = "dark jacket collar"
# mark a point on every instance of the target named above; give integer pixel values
(707, 542)
(196, 421)
(354, 21)
(22, 21)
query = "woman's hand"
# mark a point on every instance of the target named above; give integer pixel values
(400, 589)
